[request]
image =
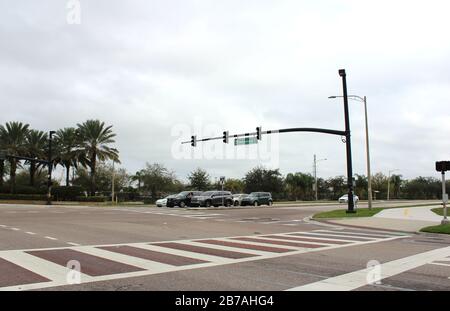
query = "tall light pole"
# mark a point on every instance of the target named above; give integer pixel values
(112, 186)
(50, 167)
(389, 183)
(369, 176)
(315, 176)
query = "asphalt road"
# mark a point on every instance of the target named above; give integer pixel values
(149, 248)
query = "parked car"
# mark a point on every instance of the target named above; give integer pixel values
(237, 198)
(163, 202)
(257, 198)
(213, 198)
(182, 199)
(344, 199)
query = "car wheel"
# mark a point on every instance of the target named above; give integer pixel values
(236, 203)
(208, 204)
(182, 205)
(270, 203)
(255, 203)
(228, 203)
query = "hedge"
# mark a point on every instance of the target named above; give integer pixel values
(28, 197)
(90, 199)
(64, 193)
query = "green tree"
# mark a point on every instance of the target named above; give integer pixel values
(234, 185)
(361, 186)
(158, 180)
(94, 139)
(379, 183)
(199, 179)
(336, 186)
(13, 135)
(261, 179)
(66, 145)
(35, 147)
(299, 186)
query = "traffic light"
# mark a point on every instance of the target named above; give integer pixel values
(193, 141)
(258, 133)
(225, 137)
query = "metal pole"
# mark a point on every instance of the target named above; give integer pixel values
(351, 206)
(369, 175)
(50, 167)
(389, 185)
(112, 187)
(315, 176)
(444, 200)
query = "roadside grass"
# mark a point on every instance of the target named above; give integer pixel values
(341, 213)
(443, 229)
(438, 210)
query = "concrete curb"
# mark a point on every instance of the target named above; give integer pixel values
(327, 221)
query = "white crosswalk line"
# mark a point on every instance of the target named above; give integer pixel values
(125, 259)
(40, 266)
(339, 235)
(357, 234)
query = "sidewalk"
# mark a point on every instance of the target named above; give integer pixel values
(410, 219)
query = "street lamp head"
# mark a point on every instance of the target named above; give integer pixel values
(342, 72)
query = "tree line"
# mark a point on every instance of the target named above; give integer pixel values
(86, 154)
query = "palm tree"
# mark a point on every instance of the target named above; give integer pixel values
(66, 144)
(13, 136)
(93, 139)
(35, 145)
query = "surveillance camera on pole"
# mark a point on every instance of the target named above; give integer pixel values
(225, 137)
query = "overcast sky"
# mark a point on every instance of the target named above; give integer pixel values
(150, 67)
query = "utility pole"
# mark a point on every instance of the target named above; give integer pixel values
(316, 188)
(389, 183)
(50, 167)
(112, 186)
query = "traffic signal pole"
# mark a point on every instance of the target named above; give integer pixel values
(225, 137)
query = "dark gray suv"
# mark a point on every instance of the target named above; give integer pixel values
(257, 198)
(213, 198)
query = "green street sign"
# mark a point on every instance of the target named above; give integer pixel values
(245, 141)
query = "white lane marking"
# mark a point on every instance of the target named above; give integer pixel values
(318, 242)
(15, 229)
(234, 249)
(173, 251)
(126, 259)
(303, 235)
(440, 264)
(72, 243)
(356, 279)
(363, 234)
(40, 266)
(337, 236)
(290, 224)
(3, 226)
(51, 238)
(30, 233)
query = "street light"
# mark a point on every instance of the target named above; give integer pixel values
(50, 167)
(315, 175)
(369, 176)
(389, 182)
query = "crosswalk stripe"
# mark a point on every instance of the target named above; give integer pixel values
(344, 237)
(40, 266)
(278, 242)
(129, 260)
(254, 248)
(363, 234)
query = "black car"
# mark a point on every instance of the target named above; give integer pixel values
(182, 199)
(257, 198)
(213, 198)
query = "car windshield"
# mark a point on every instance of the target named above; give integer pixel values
(253, 194)
(182, 194)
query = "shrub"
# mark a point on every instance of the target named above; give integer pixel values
(90, 199)
(65, 193)
(27, 197)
